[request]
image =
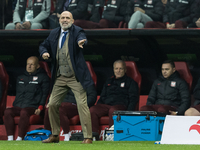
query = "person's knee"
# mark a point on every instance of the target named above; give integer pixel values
(23, 113)
(7, 112)
(36, 26)
(10, 26)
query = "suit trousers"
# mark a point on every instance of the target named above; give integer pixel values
(67, 111)
(60, 89)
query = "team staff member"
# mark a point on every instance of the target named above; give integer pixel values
(32, 90)
(169, 93)
(69, 71)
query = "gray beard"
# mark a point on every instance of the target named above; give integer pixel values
(67, 27)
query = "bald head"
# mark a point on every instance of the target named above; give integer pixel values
(32, 64)
(66, 20)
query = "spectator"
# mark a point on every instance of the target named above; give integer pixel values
(177, 14)
(140, 12)
(30, 15)
(78, 8)
(169, 93)
(120, 92)
(32, 90)
(5, 12)
(114, 12)
(164, 2)
(96, 12)
(195, 15)
(195, 110)
(68, 109)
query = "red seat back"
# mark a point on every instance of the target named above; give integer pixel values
(45, 66)
(4, 80)
(133, 72)
(93, 74)
(184, 72)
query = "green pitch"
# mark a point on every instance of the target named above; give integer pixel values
(97, 145)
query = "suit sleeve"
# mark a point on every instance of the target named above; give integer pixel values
(81, 35)
(44, 46)
(185, 98)
(133, 95)
(157, 12)
(91, 96)
(152, 94)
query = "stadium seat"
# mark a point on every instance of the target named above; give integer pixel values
(142, 100)
(184, 72)
(94, 76)
(4, 80)
(133, 72)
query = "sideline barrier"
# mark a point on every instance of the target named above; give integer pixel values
(181, 130)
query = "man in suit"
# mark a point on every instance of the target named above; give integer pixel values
(69, 71)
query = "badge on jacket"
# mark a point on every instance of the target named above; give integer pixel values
(149, 2)
(123, 84)
(173, 83)
(113, 2)
(35, 78)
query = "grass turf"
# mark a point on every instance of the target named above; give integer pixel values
(97, 145)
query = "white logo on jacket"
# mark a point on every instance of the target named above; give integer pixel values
(123, 84)
(35, 78)
(173, 83)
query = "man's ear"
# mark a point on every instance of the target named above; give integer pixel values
(174, 69)
(38, 66)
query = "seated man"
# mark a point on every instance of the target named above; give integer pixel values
(30, 15)
(68, 109)
(78, 8)
(120, 92)
(113, 13)
(140, 12)
(195, 15)
(169, 93)
(32, 90)
(195, 109)
(177, 14)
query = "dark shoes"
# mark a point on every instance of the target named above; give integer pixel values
(51, 139)
(87, 141)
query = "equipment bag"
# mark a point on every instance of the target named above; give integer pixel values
(37, 135)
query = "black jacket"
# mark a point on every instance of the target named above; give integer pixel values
(78, 8)
(152, 8)
(177, 10)
(80, 68)
(122, 91)
(96, 11)
(195, 14)
(91, 96)
(59, 6)
(172, 91)
(196, 93)
(32, 90)
(115, 10)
